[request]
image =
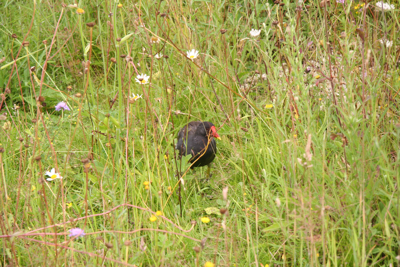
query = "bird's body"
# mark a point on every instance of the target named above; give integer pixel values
(197, 139)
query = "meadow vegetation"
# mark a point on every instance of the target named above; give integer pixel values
(304, 94)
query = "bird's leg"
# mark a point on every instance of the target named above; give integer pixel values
(193, 172)
(209, 171)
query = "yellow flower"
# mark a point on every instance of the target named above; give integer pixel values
(158, 213)
(266, 265)
(295, 136)
(317, 76)
(269, 106)
(119, 5)
(146, 187)
(80, 11)
(146, 183)
(169, 188)
(33, 188)
(319, 99)
(209, 264)
(165, 156)
(153, 218)
(205, 219)
(69, 205)
(317, 255)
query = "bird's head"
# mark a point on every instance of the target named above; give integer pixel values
(213, 133)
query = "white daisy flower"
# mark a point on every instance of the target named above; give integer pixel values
(142, 79)
(158, 56)
(386, 42)
(255, 33)
(53, 175)
(135, 97)
(192, 54)
(381, 6)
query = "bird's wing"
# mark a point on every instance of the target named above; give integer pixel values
(184, 138)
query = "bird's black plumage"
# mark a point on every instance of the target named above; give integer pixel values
(197, 139)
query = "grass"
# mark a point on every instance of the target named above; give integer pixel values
(307, 170)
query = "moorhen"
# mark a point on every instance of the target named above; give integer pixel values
(197, 138)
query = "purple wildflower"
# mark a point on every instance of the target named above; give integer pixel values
(78, 232)
(340, 1)
(62, 105)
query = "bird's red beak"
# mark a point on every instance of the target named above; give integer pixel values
(214, 133)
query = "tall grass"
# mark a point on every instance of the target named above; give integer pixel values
(307, 111)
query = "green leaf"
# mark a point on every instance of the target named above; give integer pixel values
(125, 38)
(212, 210)
(387, 229)
(115, 122)
(274, 227)
(92, 178)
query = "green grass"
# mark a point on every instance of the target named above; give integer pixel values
(311, 181)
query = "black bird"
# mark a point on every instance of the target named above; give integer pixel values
(197, 138)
